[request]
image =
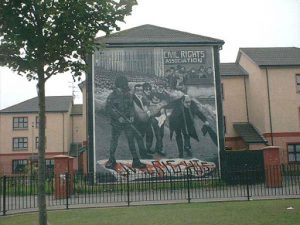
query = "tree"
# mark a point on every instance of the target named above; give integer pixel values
(42, 38)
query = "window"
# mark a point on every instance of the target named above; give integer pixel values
(20, 123)
(37, 121)
(37, 142)
(49, 167)
(298, 82)
(294, 152)
(19, 166)
(20, 143)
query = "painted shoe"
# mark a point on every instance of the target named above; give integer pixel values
(138, 164)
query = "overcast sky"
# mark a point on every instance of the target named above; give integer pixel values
(240, 23)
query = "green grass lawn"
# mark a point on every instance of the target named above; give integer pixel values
(263, 212)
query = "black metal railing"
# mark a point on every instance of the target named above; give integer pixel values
(19, 193)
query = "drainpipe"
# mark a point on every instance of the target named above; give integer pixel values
(63, 127)
(269, 105)
(246, 99)
(72, 127)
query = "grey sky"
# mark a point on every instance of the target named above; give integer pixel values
(240, 23)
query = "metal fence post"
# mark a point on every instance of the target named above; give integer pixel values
(188, 184)
(4, 196)
(128, 191)
(247, 181)
(67, 190)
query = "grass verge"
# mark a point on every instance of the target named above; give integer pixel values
(263, 212)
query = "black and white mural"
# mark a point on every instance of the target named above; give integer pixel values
(155, 106)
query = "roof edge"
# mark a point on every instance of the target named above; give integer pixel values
(212, 40)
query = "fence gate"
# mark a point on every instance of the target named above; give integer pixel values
(237, 163)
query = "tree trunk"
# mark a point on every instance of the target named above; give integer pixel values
(41, 147)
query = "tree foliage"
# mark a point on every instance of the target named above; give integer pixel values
(53, 33)
(41, 38)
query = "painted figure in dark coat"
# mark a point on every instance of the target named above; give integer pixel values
(119, 107)
(182, 123)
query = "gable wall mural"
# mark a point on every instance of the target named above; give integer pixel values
(155, 107)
